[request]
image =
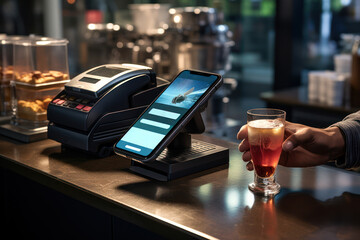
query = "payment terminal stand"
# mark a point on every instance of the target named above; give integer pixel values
(184, 156)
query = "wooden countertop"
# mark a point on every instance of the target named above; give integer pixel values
(318, 202)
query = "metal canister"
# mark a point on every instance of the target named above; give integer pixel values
(199, 42)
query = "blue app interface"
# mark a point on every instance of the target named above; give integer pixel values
(165, 112)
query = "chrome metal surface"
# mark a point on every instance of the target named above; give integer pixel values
(150, 19)
(198, 40)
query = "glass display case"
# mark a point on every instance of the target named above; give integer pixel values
(40, 72)
(6, 73)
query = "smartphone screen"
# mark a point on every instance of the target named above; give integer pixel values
(166, 112)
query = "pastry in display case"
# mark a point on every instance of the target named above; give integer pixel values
(32, 100)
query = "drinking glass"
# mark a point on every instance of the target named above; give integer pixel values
(265, 134)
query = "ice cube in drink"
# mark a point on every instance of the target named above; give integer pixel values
(265, 139)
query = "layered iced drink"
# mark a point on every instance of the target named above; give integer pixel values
(265, 139)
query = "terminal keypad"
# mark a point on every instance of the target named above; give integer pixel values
(80, 104)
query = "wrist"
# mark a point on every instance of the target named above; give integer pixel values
(336, 143)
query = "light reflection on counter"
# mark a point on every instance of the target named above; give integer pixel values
(259, 220)
(326, 183)
(249, 199)
(296, 179)
(205, 191)
(232, 199)
(44, 162)
(237, 167)
(235, 199)
(344, 180)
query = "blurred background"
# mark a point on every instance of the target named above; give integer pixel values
(265, 49)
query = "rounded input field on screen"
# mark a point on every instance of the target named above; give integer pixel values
(164, 113)
(133, 148)
(155, 124)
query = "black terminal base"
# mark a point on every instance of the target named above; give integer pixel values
(184, 156)
(175, 164)
(23, 134)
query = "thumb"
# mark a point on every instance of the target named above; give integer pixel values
(302, 137)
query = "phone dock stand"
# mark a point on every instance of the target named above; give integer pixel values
(184, 156)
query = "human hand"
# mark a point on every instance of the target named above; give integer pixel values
(303, 146)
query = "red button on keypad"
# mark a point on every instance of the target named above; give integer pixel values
(60, 102)
(87, 108)
(56, 100)
(80, 106)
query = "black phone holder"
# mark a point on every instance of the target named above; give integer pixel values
(184, 155)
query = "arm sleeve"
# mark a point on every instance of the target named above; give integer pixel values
(350, 128)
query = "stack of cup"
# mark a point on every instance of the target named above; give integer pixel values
(335, 89)
(327, 87)
(331, 87)
(324, 82)
(313, 85)
(342, 63)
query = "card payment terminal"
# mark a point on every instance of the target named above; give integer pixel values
(97, 106)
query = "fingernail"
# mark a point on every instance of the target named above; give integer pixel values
(288, 146)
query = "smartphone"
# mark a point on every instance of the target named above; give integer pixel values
(164, 118)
